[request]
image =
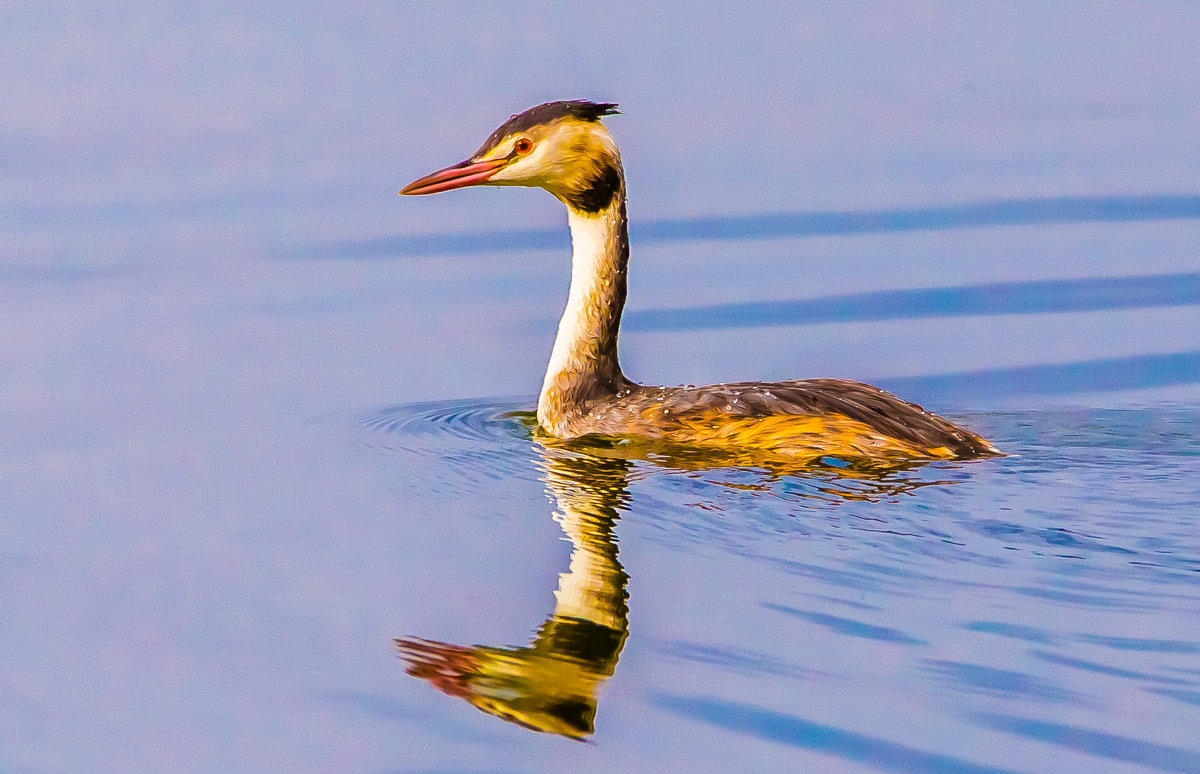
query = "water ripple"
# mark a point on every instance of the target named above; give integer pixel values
(847, 626)
(453, 447)
(1105, 745)
(452, 421)
(732, 659)
(995, 682)
(805, 734)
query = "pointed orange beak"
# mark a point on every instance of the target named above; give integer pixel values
(460, 175)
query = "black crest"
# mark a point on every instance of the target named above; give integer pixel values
(550, 111)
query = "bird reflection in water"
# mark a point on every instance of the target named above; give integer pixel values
(553, 684)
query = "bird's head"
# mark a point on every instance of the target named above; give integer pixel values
(559, 146)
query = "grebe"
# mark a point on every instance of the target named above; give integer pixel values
(564, 148)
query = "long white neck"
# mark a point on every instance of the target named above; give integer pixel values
(584, 363)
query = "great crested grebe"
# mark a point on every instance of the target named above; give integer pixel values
(564, 148)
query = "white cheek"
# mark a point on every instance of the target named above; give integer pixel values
(526, 170)
(504, 175)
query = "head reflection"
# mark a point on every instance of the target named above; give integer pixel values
(553, 684)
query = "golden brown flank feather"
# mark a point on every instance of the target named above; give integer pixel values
(805, 419)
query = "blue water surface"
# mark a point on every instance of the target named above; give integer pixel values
(260, 418)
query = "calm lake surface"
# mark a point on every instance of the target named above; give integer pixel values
(270, 499)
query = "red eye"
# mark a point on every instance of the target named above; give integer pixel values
(523, 145)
